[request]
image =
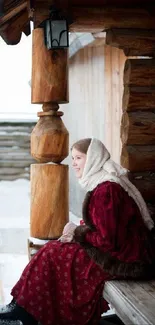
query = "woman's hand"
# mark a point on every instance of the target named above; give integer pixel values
(68, 232)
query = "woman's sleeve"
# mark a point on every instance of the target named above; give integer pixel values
(104, 210)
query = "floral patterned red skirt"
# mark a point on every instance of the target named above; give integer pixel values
(62, 285)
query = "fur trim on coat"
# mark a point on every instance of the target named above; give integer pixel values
(108, 263)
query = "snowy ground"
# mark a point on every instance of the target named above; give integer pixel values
(14, 231)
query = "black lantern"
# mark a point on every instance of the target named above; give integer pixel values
(56, 31)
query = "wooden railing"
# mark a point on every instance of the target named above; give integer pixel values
(15, 157)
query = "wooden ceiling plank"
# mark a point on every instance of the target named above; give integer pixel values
(11, 31)
(10, 4)
(13, 13)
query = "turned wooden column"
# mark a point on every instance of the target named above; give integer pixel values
(49, 141)
(49, 138)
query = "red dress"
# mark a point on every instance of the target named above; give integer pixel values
(61, 284)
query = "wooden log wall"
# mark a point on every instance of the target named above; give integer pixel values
(15, 158)
(134, 42)
(138, 105)
(138, 125)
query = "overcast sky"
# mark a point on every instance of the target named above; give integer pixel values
(15, 73)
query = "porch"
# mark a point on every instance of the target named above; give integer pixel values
(133, 301)
(133, 30)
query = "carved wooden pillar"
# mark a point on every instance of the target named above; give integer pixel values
(138, 119)
(49, 72)
(49, 141)
(49, 200)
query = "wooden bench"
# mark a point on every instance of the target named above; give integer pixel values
(134, 302)
(34, 244)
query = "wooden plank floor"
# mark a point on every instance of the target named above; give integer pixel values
(134, 302)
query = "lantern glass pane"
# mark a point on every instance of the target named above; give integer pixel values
(48, 34)
(59, 33)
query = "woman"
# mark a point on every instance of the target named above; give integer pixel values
(63, 283)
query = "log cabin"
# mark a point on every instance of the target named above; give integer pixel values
(129, 26)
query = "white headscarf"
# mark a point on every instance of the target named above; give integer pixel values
(100, 168)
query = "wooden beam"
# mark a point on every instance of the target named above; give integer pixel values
(13, 13)
(109, 17)
(11, 31)
(138, 98)
(139, 72)
(27, 29)
(91, 19)
(10, 4)
(41, 10)
(138, 158)
(139, 52)
(134, 42)
(138, 128)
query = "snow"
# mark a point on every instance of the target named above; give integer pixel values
(15, 201)
(14, 223)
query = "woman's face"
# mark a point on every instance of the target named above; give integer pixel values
(78, 162)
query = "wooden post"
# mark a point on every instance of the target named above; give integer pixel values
(49, 72)
(49, 141)
(49, 138)
(49, 188)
